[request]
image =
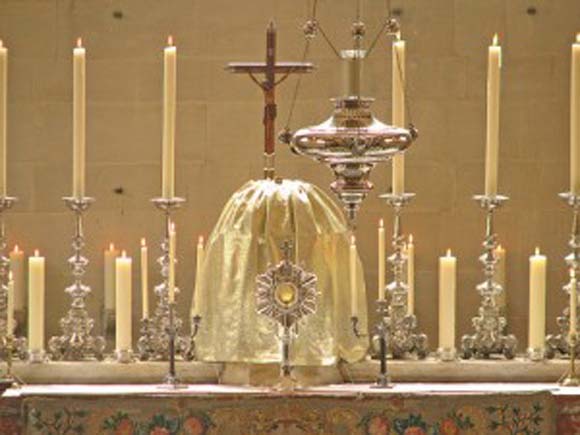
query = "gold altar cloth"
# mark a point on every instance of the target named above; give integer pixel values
(246, 239)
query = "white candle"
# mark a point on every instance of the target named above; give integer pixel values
(410, 276)
(198, 268)
(398, 73)
(382, 260)
(447, 283)
(492, 143)
(353, 277)
(169, 97)
(79, 119)
(573, 305)
(109, 260)
(171, 279)
(17, 269)
(36, 295)
(353, 68)
(10, 305)
(144, 279)
(575, 119)
(537, 325)
(123, 329)
(500, 254)
(3, 115)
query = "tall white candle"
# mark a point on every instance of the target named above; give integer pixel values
(169, 98)
(79, 119)
(36, 295)
(353, 277)
(492, 142)
(195, 305)
(382, 260)
(447, 283)
(537, 325)
(17, 269)
(10, 305)
(172, 241)
(144, 279)
(410, 276)
(109, 260)
(3, 115)
(573, 305)
(575, 119)
(398, 73)
(123, 329)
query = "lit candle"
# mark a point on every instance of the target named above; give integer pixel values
(492, 143)
(575, 119)
(500, 255)
(123, 329)
(169, 95)
(3, 115)
(171, 279)
(353, 277)
(447, 283)
(573, 305)
(398, 73)
(109, 259)
(145, 278)
(17, 269)
(382, 260)
(10, 305)
(36, 295)
(410, 252)
(198, 268)
(79, 119)
(537, 325)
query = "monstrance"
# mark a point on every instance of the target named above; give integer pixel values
(286, 293)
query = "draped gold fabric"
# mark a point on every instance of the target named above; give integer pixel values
(246, 239)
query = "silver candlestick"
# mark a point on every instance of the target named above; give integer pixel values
(404, 339)
(559, 344)
(171, 380)
(154, 341)
(191, 349)
(489, 337)
(77, 341)
(18, 344)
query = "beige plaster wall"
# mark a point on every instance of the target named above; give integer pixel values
(219, 128)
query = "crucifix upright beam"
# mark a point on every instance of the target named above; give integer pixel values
(270, 69)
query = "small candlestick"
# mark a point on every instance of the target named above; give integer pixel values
(36, 309)
(198, 268)
(123, 294)
(144, 278)
(79, 119)
(537, 321)
(382, 260)
(172, 237)
(493, 100)
(410, 254)
(447, 289)
(169, 99)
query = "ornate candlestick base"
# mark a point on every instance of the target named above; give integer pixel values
(77, 342)
(195, 322)
(570, 378)
(559, 344)
(124, 356)
(171, 380)
(154, 341)
(535, 353)
(9, 380)
(37, 356)
(447, 354)
(381, 336)
(404, 339)
(489, 337)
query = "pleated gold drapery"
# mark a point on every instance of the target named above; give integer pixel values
(247, 237)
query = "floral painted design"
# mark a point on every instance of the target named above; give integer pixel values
(414, 424)
(514, 420)
(195, 423)
(61, 422)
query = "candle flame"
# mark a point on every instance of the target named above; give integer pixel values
(1, 43)
(16, 248)
(172, 227)
(143, 242)
(111, 246)
(537, 250)
(124, 254)
(170, 40)
(410, 238)
(79, 42)
(353, 240)
(382, 223)
(578, 37)
(495, 40)
(200, 240)
(10, 276)
(449, 252)
(36, 253)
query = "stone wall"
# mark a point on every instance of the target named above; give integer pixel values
(219, 135)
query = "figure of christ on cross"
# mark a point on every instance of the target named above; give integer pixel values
(268, 84)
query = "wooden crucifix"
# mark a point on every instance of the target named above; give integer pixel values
(268, 84)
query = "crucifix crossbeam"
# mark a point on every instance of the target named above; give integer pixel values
(273, 73)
